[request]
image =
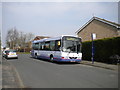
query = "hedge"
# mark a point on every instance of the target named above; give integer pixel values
(106, 50)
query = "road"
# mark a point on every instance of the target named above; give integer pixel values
(36, 73)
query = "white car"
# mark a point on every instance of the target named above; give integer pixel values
(10, 54)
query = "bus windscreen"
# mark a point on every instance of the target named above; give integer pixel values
(71, 44)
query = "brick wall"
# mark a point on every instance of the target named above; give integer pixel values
(101, 30)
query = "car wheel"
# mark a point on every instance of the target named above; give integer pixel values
(78, 62)
(6, 57)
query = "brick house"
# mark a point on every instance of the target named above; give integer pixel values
(28, 46)
(101, 27)
(40, 37)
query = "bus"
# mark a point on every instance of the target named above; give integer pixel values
(61, 49)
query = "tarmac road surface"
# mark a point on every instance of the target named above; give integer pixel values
(36, 73)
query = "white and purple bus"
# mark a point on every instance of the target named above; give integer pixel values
(61, 49)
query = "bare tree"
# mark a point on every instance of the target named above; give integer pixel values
(29, 37)
(19, 39)
(12, 38)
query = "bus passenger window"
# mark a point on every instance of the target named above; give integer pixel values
(52, 45)
(35, 46)
(42, 46)
(47, 45)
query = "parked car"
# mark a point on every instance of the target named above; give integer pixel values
(3, 53)
(10, 54)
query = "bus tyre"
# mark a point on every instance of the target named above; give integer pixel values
(78, 62)
(36, 56)
(51, 58)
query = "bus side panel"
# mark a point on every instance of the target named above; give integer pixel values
(42, 54)
(46, 55)
(34, 52)
(57, 56)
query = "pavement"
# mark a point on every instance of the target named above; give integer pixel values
(101, 65)
(11, 79)
(10, 76)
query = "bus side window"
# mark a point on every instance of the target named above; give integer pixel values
(47, 45)
(58, 45)
(39, 46)
(33, 46)
(36, 46)
(52, 45)
(42, 46)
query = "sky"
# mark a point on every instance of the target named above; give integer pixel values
(53, 18)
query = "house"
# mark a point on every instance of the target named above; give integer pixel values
(40, 37)
(28, 45)
(100, 27)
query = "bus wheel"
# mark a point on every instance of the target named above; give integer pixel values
(78, 62)
(36, 56)
(51, 58)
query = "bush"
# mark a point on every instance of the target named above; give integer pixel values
(104, 50)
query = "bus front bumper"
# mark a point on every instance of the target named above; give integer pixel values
(69, 60)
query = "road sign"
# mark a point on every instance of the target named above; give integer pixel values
(93, 36)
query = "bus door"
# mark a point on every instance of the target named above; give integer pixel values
(57, 53)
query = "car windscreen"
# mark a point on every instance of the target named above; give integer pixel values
(10, 51)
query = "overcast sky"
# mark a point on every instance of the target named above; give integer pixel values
(53, 18)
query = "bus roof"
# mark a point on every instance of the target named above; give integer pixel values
(52, 38)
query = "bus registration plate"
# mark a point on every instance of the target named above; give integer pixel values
(72, 61)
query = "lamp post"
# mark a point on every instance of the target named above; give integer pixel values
(93, 36)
